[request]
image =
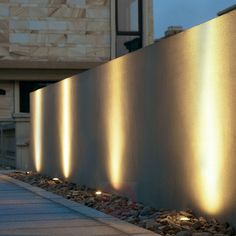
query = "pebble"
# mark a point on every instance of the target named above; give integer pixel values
(161, 221)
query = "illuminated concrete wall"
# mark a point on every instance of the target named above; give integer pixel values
(157, 124)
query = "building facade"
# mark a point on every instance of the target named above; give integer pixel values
(44, 41)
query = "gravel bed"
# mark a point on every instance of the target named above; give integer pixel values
(162, 221)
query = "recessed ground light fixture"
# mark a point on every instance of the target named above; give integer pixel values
(27, 172)
(98, 192)
(55, 179)
(184, 218)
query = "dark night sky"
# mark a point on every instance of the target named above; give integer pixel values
(186, 13)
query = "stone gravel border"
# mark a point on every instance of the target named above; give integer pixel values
(108, 220)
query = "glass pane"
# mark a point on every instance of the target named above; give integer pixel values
(128, 15)
(126, 44)
(25, 88)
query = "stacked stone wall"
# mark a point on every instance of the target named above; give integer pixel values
(55, 30)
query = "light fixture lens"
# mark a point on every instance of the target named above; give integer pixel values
(55, 179)
(184, 218)
(98, 192)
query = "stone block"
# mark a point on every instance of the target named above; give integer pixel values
(100, 13)
(39, 52)
(4, 36)
(17, 50)
(76, 3)
(76, 39)
(4, 51)
(97, 2)
(38, 24)
(20, 38)
(67, 12)
(19, 11)
(97, 52)
(4, 10)
(4, 24)
(19, 1)
(76, 25)
(41, 3)
(57, 52)
(18, 24)
(98, 39)
(38, 12)
(76, 51)
(53, 3)
(38, 39)
(57, 39)
(57, 25)
(99, 26)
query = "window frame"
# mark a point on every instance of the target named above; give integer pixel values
(140, 23)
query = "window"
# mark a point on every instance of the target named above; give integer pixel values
(25, 89)
(2, 92)
(128, 26)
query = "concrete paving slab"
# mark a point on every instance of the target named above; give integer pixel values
(38, 217)
(62, 231)
(35, 210)
(23, 201)
(28, 210)
(49, 224)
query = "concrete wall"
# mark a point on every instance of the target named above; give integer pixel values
(157, 124)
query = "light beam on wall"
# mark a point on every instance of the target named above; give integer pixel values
(210, 128)
(66, 126)
(37, 121)
(115, 125)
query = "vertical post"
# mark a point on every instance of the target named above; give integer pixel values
(16, 97)
(1, 145)
(113, 28)
(147, 22)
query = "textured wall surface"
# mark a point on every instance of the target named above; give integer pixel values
(157, 124)
(64, 30)
(7, 100)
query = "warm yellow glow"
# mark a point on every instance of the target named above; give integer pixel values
(37, 126)
(66, 127)
(210, 128)
(98, 192)
(115, 125)
(184, 218)
(55, 179)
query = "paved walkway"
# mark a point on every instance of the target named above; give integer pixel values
(28, 210)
